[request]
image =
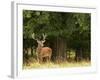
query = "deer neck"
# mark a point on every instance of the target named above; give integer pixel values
(39, 48)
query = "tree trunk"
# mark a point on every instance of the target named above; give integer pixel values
(78, 55)
(59, 49)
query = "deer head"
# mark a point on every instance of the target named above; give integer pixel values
(40, 42)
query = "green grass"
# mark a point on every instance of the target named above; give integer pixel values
(56, 65)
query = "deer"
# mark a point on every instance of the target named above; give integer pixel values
(41, 51)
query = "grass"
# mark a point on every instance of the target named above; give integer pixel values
(64, 64)
(32, 63)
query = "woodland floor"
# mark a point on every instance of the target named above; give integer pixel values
(64, 64)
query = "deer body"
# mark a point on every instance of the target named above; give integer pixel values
(44, 52)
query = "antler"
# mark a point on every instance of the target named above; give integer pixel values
(33, 36)
(44, 37)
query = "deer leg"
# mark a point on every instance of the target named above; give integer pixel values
(47, 59)
(41, 59)
(37, 57)
(38, 60)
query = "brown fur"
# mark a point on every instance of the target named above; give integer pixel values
(45, 52)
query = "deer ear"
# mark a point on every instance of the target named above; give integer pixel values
(43, 41)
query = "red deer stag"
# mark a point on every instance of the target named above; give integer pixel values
(41, 51)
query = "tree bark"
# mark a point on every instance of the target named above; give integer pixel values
(78, 55)
(59, 49)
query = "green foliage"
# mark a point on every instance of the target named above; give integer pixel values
(57, 22)
(74, 28)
